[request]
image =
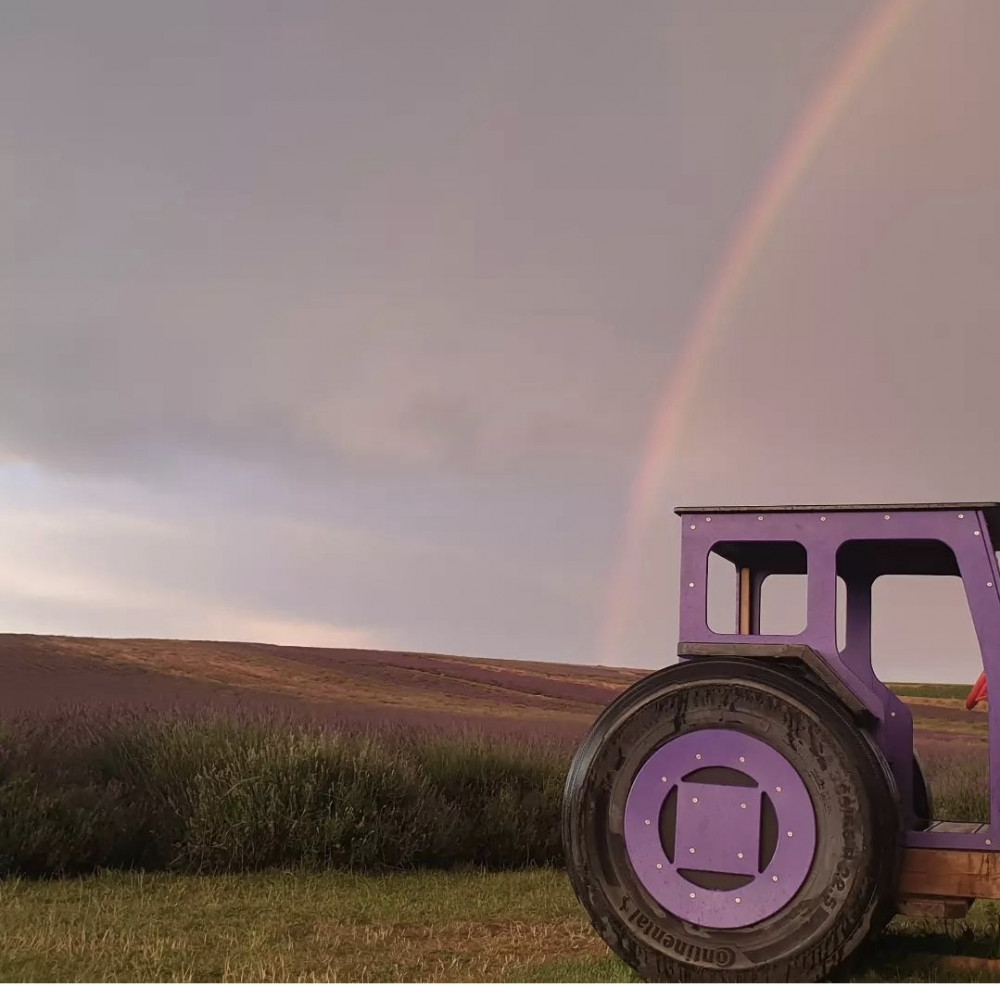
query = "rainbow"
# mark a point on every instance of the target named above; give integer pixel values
(816, 122)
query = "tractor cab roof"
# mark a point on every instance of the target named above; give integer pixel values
(835, 508)
(917, 555)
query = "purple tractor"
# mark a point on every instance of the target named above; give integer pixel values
(756, 811)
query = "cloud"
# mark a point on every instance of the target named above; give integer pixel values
(365, 315)
(196, 571)
(319, 247)
(237, 626)
(44, 568)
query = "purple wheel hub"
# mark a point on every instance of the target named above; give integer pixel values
(720, 828)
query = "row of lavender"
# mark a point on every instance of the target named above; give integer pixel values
(82, 790)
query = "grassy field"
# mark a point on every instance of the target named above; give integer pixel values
(421, 926)
(281, 926)
(398, 824)
(929, 690)
(196, 794)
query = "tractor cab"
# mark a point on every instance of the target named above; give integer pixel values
(770, 775)
(855, 545)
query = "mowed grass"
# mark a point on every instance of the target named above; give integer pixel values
(279, 926)
(284, 926)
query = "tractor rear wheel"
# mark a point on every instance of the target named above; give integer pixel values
(725, 820)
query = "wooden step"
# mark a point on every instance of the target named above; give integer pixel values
(949, 874)
(933, 907)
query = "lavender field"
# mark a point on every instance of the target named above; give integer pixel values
(194, 756)
(381, 815)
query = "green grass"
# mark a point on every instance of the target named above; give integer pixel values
(921, 690)
(278, 926)
(906, 952)
(603, 970)
(420, 926)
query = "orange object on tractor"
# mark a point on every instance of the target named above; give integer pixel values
(978, 693)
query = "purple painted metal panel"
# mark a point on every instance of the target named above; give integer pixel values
(822, 534)
(949, 841)
(984, 602)
(712, 830)
(718, 829)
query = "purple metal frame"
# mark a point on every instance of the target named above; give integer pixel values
(822, 532)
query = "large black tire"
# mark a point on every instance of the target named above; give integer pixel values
(848, 892)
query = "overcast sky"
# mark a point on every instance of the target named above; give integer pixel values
(343, 323)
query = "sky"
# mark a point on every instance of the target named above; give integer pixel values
(346, 323)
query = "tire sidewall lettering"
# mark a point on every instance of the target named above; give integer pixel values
(721, 957)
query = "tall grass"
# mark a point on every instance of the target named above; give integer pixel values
(959, 779)
(217, 794)
(197, 794)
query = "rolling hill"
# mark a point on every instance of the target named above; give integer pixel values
(364, 687)
(356, 687)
